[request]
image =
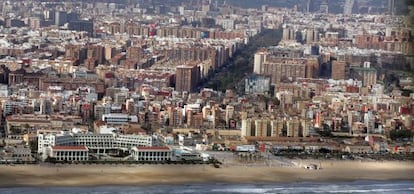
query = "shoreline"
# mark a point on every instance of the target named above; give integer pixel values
(148, 175)
(201, 183)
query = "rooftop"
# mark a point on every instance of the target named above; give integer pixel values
(84, 148)
(154, 148)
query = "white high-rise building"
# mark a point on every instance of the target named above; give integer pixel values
(391, 7)
(349, 4)
(4, 91)
(259, 59)
(246, 129)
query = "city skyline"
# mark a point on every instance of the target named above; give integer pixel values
(176, 92)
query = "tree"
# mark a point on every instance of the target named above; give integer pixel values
(26, 126)
(147, 127)
(401, 134)
(15, 130)
(33, 146)
(242, 62)
(326, 130)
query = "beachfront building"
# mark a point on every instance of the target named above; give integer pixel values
(187, 154)
(46, 140)
(69, 153)
(127, 142)
(162, 153)
(358, 149)
(97, 143)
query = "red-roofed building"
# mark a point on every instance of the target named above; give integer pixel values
(69, 153)
(159, 153)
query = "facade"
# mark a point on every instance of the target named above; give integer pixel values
(257, 84)
(279, 127)
(312, 35)
(338, 70)
(366, 74)
(175, 116)
(69, 153)
(82, 25)
(288, 33)
(151, 153)
(46, 140)
(99, 143)
(292, 128)
(349, 4)
(276, 127)
(358, 149)
(186, 78)
(96, 142)
(130, 141)
(262, 128)
(391, 7)
(280, 69)
(60, 18)
(4, 92)
(22, 153)
(40, 121)
(119, 119)
(72, 83)
(259, 59)
(305, 126)
(247, 127)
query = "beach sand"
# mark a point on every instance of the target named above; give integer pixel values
(94, 175)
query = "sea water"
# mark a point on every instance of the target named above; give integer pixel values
(400, 187)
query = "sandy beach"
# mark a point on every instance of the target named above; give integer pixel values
(94, 175)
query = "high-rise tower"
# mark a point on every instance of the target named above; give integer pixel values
(349, 4)
(391, 7)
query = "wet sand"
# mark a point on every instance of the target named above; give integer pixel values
(94, 175)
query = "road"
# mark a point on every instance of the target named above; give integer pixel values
(269, 159)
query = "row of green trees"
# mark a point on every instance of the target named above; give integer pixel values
(242, 63)
(401, 134)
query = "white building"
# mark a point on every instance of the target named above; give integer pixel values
(69, 153)
(229, 113)
(98, 142)
(259, 59)
(127, 142)
(185, 153)
(257, 84)
(4, 91)
(107, 130)
(119, 119)
(47, 140)
(246, 129)
(163, 153)
(227, 23)
(7, 107)
(44, 141)
(196, 108)
(349, 4)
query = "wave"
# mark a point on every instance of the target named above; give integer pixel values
(401, 187)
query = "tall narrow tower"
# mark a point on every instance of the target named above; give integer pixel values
(324, 7)
(391, 7)
(308, 4)
(349, 4)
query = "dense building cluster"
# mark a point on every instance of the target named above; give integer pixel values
(353, 54)
(81, 77)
